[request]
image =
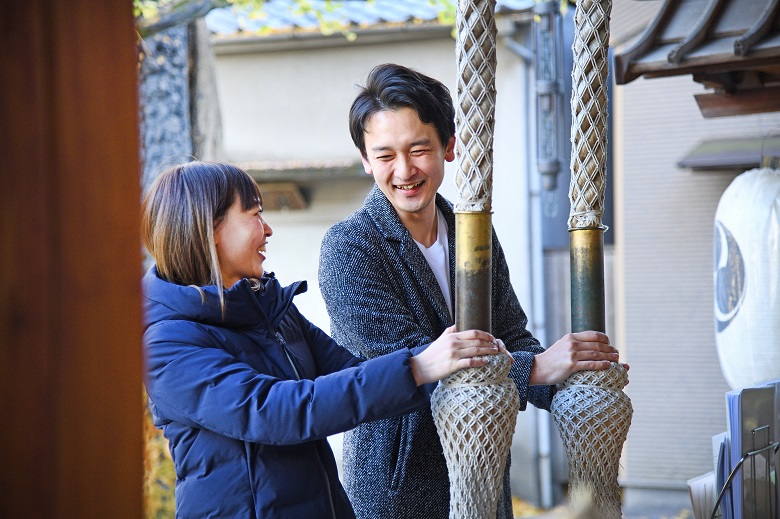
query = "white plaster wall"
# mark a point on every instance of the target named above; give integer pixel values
(293, 105)
(293, 250)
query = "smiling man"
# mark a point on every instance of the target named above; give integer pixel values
(387, 277)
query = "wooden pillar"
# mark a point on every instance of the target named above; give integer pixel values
(70, 319)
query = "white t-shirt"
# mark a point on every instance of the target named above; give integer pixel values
(438, 257)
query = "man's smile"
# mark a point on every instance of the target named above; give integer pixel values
(409, 187)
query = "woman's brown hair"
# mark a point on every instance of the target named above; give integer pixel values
(179, 213)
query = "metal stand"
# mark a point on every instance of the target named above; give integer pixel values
(772, 486)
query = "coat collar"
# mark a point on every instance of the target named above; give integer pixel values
(389, 224)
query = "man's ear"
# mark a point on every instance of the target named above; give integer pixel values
(449, 151)
(366, 165)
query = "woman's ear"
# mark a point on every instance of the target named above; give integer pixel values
(217, 233)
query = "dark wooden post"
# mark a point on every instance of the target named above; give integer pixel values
(70, 319)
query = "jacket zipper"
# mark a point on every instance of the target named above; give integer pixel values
(287, 354)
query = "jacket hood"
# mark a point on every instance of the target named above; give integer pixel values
(244, 306)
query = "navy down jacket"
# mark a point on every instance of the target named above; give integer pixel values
(247, 400)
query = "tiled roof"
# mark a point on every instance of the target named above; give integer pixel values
(731, 46)
(282, 16)
(685, 38)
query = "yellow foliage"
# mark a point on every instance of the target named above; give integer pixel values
(159, 474)
(522, 509)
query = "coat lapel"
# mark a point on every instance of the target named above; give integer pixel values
(422, 278)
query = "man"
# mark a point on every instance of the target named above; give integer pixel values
(387, 277)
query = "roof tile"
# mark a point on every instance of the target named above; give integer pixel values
(282, 15)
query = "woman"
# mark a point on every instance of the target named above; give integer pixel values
(244, 387)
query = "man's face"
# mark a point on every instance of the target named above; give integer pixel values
(406, 158)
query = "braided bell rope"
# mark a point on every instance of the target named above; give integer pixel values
(475, 109)
(593, 415)
(589, 113)
(475, 411)
(591, 411)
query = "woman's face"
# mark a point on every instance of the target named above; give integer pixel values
(240, 240)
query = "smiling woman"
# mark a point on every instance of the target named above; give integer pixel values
(186, 208)
(240, 239)
(242, 384)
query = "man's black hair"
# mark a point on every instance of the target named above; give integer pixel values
(391, 87)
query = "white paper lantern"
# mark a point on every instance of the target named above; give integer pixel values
(747, 278)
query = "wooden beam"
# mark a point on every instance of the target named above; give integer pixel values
(743, 102)
(70, 310)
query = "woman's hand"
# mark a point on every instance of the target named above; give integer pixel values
(589, 350)
(453, 351)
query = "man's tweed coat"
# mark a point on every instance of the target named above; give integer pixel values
(381, 296)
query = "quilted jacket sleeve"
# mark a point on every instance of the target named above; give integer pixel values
(331, 357)
(191, 380)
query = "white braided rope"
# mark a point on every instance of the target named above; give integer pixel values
(589, 113)
(475, 411)
(593, 415)
(591, 411)
(474, 112)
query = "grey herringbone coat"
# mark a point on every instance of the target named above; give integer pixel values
(382, 295)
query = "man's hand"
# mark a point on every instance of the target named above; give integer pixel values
(589, 350)
(453, 351)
